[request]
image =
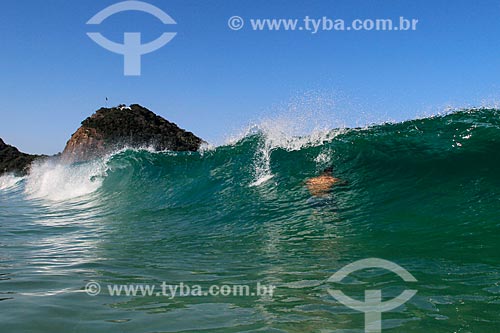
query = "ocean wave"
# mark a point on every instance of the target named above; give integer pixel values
(8, 181)
(54, 180)
(271, 151)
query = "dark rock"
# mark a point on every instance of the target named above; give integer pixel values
(109, 129)
(14, 161)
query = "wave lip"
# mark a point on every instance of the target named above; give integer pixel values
(8, 181)
(57, 181)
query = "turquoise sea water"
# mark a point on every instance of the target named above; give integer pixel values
(424, 194)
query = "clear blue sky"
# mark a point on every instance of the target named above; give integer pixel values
(210, 79)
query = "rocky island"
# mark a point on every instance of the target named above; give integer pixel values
(134, 126)
(108, 130)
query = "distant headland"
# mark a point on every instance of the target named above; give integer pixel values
(108, 130)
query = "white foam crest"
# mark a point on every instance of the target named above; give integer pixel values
(57, 181)
(206, 147)
(262, 165)
(8, 181)
(148, 148)
(304, 122)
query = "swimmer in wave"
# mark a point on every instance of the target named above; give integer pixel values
(321, 185)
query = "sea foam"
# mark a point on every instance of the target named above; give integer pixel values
(54, 180)
(8, 181)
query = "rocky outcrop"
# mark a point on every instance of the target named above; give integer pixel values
(109, 129)
(14, 161)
